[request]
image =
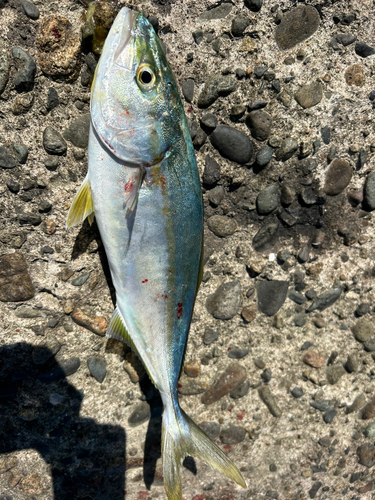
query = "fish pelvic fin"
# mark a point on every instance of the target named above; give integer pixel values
(180, 437)
(82, 206)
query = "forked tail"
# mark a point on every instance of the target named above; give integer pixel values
(181, 437)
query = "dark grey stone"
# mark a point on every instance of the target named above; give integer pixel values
(266, 375)
(325, 300)
(321, 405)
(198, 36)
(208, 122)
(51, 163)
(269, 400)
(21, 152)
(52, 99)
(351, 364)
(264, 156)
(26, 68)
(271, 296)
(240, 391)
(211, 173)
(30, 9)
(259, 123)
(97, 366)
(346, 38)
(299, 319)
(366, 454)
(258, 103)
(266, 237)
(334, 373)
(44, 206)
(80, 280)
(216, 195)
(225, 302)
(43, 352)
(188, 89)
(309, 95)
(65, 368)
(314, 489)
(53, 142)
(218, 12)
(13, 185)
(140, 414)
(362, 309)
(326, 134)
(78, 131)
(212, 429)
(233, 435)
(368, 191)
(297, 25)
(239, 24)
(253, 5)
(237, 353)
(297, 297)
(287, 149)
(268, 199)
(297, 392)
(199, 139)
(29, 218)
(4, 72)
(338, 176)
(214, 87)
(362, 158)
(237, 111)
(364, 50)
(232, 144)
(328, 417)
(221, 225)
(210, 335)
(260, 70)
(369, 344)
(6, 159)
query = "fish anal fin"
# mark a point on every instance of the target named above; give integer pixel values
(82, 206)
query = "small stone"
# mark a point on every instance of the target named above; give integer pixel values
(21, 152)
(30, 9)
(271, 296)
(237, 353)
(237, 112)
(297, 392)
(222, 225)
(268, 199)
(351, 364)
(4, 71)
(239, 24)
(326, 134)
(363, 330)
(334, 373)
(78, 131)
(6, 159)
(368, 411)
(297, 25)
(225, 302)
(354, 75)
(28, 218)
(325, 300)
(269, 400)
(314, 359)
(364, 50)
(264, 156)
(329, 415)
(53, 142)
(233, 435)
(80, 280)
(346, 38)
(15, 282)
(97, 325)
(199, 139)
(218, 12)
(287, 149)
(232, 144)
(309, 95)
(362, 309)
(52, 99)
(214, 87)
(212, 429)
(297, 297)
(266, 375)
(358, 403)
(366, 454)
(266, 237)
(249, 313)
(26, 68)
(216, 195)
(241, 391)
(368, 191)
(51, 163)
(190, 386)
(287, 195)
(210, 335)
(369, 432)
(188, 89)
(229, 380)
(338, 177)
(192, 369)
(314, 489)
(48, 227)
(208, 122)
(211, 173)
(44, 206)
(22, 103)
(140, 414)
(259, 123)
(198, 36)
(97, 366)
(65, 368)
(45, 351)
(253, 5)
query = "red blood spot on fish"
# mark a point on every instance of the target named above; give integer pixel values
(162, 180)
(128, 185)
(56, 33)
(179, 310)
(164, 296)
(240, 415)
(144, 281)
(127, 112)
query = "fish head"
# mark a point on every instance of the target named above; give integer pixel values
(135, 106)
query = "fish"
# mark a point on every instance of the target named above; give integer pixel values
(143, 188)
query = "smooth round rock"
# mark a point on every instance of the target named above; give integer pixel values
(78, 131)
(6, 159)
(208, 122)
(54, 142)
(232, 144)
(338, 176)
(225, 302)
(309, 95)
(212, 429)
(264, 156)
(297, 25)
(30, 9)
(26, 68)
(221, 225)
(140, 414)
(188, 89)
(239, 24)
(211, 173)
(253, 5)
(369, 192)
(268, 199)
(259, 123)
(233, 435)
(21, 151)
(287, 149)
(271, 296)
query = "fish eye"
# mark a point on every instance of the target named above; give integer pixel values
(145, 76)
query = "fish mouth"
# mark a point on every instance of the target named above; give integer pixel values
(125, 20)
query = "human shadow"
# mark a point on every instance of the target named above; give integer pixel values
(39, 409)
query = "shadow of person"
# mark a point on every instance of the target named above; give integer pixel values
(39, 410)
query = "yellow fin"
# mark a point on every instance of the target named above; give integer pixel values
(82, 206)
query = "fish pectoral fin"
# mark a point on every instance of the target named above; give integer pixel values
(82, 206)
(132, 187)
(117, 330)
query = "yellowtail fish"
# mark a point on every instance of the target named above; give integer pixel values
(143, 186)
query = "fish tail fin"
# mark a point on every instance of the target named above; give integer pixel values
(181, 437)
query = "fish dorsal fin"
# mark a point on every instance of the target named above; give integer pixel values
(117, 330)
(82, 206)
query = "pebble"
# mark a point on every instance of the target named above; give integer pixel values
(334, 373)
(6, 159)
(214, 87)
(211, 173)
(188, 89)
(309, 95)
(218, 12)
(78, 131)
(329, 415)
(44, 206)
(264, 156)
(97, 324)
(216, 195)
(53, 142)
(232, 144)
(4, 71)
(22, 103)
(21, 151)
(239, 24)
(297, 297)
(271, 296)
(30, 9)
(358, 403)
(192, 369)
(237, 353)
(59, 48)
(362, 309)
(266, 237)
(241, 391)
(234, 434)
(140, 414)
(260, 124)
(97, 366)
(354, 75)
(190, 386)
(366, 454)
(351, 364)
(212, 429)
(297, 25)
(253, 5)
(198, 36)
(325, 300)
(297, 392)
(287, 149)
(269, 400)
(369, 192)
(299, 319)
(28, 218)
(249, 313)
(51, 163)
(80, 280)
(266, 375)
(229, 380)
(15, 282)
(268, 199)
(314, 359)
(222, 225)
(52, 99)
(199, 139)
(338, 176)
(208, 122)
(45, 351)
(314, 489)
(363, 330)
(237, 111)
(225, 302)
(26, 68)
(369, 345)
(210, 335)
(325, 132)
(364, 50)
(65, 368)
(369, 432)
(346, 38)
(13, 187)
